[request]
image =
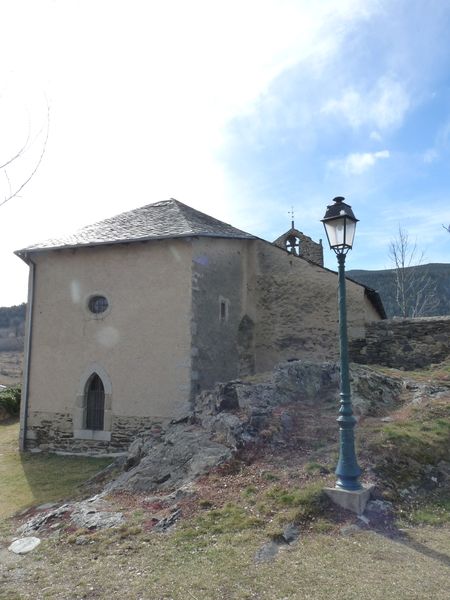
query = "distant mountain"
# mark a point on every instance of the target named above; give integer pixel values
(433, 279)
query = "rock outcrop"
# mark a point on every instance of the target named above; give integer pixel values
(275, 407)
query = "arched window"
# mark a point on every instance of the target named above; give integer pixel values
(95, 403)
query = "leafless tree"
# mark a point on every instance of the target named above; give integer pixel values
(13, 190)
(414, 292)
(446, 227)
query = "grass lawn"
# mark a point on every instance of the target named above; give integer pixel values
(29, 479)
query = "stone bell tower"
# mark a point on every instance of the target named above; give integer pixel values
(298, 244)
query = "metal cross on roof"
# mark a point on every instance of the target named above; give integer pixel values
(291, 212)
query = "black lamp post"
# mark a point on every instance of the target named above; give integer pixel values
(340, 224)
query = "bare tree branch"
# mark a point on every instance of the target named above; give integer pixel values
(446, 227)
(19, 153)
(414, 291)
(8, 180)
(13, 193)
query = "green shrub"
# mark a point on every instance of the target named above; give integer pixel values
(10, 400)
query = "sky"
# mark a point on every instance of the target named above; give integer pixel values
(241, 109)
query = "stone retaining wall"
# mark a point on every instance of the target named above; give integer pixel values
(404, 343)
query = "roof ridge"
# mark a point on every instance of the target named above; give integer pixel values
(180, 206)
(159, 220)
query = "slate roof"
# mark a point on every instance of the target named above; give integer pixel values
(166, 219)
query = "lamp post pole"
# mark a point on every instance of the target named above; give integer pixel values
(347, 470)
(340, 224)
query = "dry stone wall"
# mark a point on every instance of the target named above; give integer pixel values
(403, 343)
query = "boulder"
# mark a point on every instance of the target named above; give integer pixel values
(24, 545)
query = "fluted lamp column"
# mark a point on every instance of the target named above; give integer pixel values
(340, 225)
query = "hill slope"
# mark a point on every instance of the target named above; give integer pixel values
(435, 277)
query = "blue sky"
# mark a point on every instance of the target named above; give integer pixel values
(240, 109)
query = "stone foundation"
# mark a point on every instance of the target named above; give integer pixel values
(54, 432)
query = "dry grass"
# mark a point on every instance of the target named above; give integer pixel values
(153, 566)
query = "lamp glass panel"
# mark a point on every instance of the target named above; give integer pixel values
(350, 233)
(335, 229)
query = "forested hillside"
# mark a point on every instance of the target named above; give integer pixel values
(12, 327)
(10, 315)
(428, 285)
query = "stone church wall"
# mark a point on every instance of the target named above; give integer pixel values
(297, 309)
(403, 343)
(183, 315)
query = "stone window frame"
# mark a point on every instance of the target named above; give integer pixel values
(79, 409)
(94, 315)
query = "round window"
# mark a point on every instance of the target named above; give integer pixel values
(97, 304)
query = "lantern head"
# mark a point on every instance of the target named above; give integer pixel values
(340, 224)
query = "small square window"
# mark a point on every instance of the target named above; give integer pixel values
(224, 307)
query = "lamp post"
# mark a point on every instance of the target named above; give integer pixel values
(340, 224)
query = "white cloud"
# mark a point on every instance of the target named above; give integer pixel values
(441, 144)
(358, 162)
(140, 101)
(383, 106)
(430, 155)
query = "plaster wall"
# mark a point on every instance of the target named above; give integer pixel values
(297, 309)
(142, 342)
(219, 300)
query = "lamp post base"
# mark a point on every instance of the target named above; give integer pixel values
(353, 500)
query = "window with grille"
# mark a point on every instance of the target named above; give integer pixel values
(98, 304)
(95, 403)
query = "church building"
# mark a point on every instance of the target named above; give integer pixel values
(128, 319)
